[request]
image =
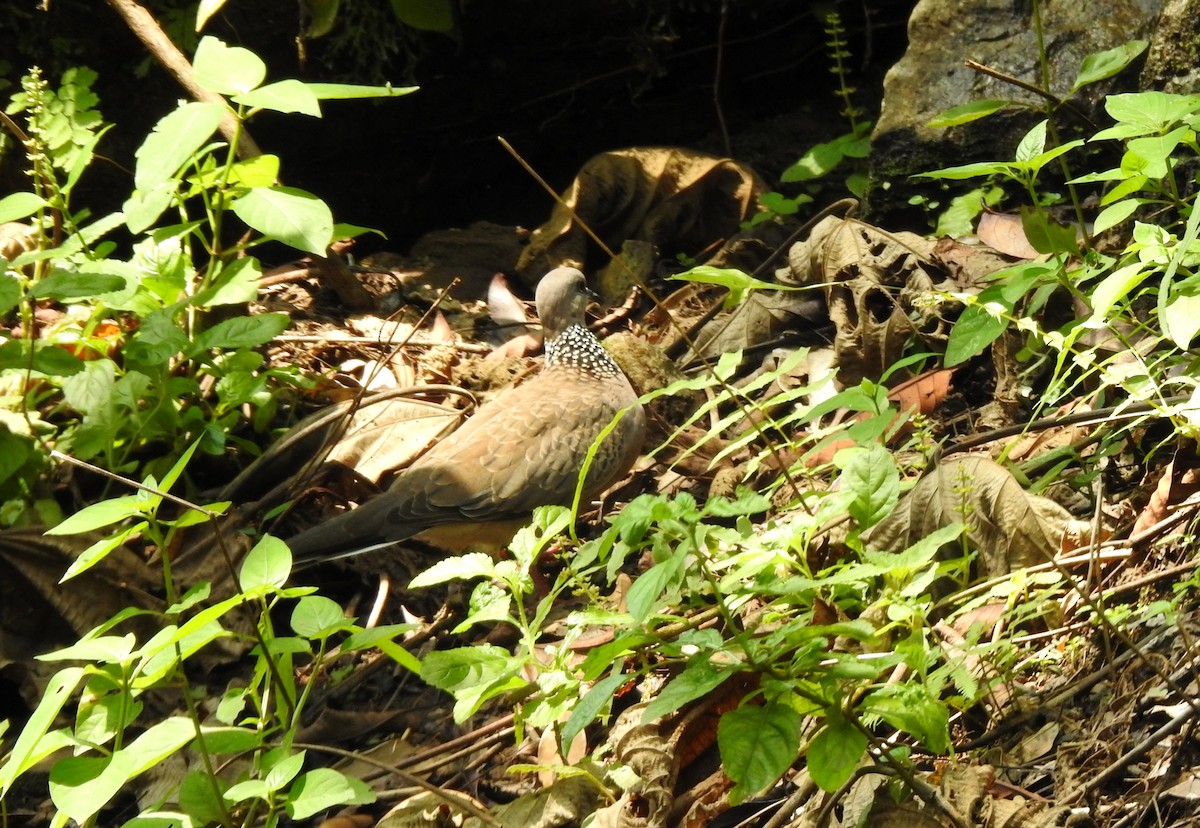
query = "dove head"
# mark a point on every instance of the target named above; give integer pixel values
(562, 297)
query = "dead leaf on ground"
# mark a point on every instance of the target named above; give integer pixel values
(876, 288)
(678, 201)
(1010, 527)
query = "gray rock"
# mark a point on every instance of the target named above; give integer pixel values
(931, 77)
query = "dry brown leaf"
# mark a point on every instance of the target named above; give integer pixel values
(1004, 233)
(678, 201)
(1010, 527)
(1179, 480)
(875, 285)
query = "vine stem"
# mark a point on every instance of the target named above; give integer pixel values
(164, 50)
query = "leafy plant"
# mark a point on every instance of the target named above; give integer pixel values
(114, 354)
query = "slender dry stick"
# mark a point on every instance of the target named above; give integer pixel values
(164, 50)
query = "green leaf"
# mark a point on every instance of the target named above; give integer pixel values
(322, 15)
(68, 285)
(173, 142)
(1156, 151)
(241, 332)
(461, 667)
(965, 171)
(268, 564)
(736, 281)
(975, 329)
(99, 550)
(1181, 318)
(32, 745)
(285, 770)
(318, 617)
(91, 390)
(282, 96)
(1100, 65)
(459, 568)
(1046, 235)
(14, 451)
(1146, 113)
(80, 786)
(1114, 214)
(347, 91)
(236, 284)
(227, 70)
(1116, 287)
(289, 215)
(817, 162)
(431, 15)
(871, 475)
(648, 588)
(910, 708)
(10, 292)
(835, 752)
(965, 113)
(105, 513)
(1033, 143)
(325, 788)
(758, 744)
(700, 677)
(593, 702)
(205, 11)
(17, 206)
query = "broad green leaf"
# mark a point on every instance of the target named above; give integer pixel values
(1100, 65)
(461, 667)
(288, 215)
(911, 709)
(68, 285)
(231, 739)
(91, 389)
(322, 15)
(205, 11)
(105, 513)
(199, 801)
(282, 96)
(1033, 143)
(1156, 150)
(285, 770)
(348, 91)
(1046, 235)
(431, 15)
(648, 588)
(17, 206)
(325, 788)
(81, 786)
(99, 550)
(173, 142)
(241, 332)
(143, 209)
(871, 475)
(965, 113)
(10, 292)
(227, 70)
(758, 744)
(1146, 113)
(14, 451)
(977, 328)
(700, 677)
(593, 702)
(236, 284)
(268, 564)
(31, 745)
(1116, 287)
(1181, 318)
(835, 752)
(817, 162)
(46, 358)
(316, 616)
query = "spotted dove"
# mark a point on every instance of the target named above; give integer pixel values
(523, 449)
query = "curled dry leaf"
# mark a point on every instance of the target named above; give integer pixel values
(676, 200)
(875, 285)
(1008, 526)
